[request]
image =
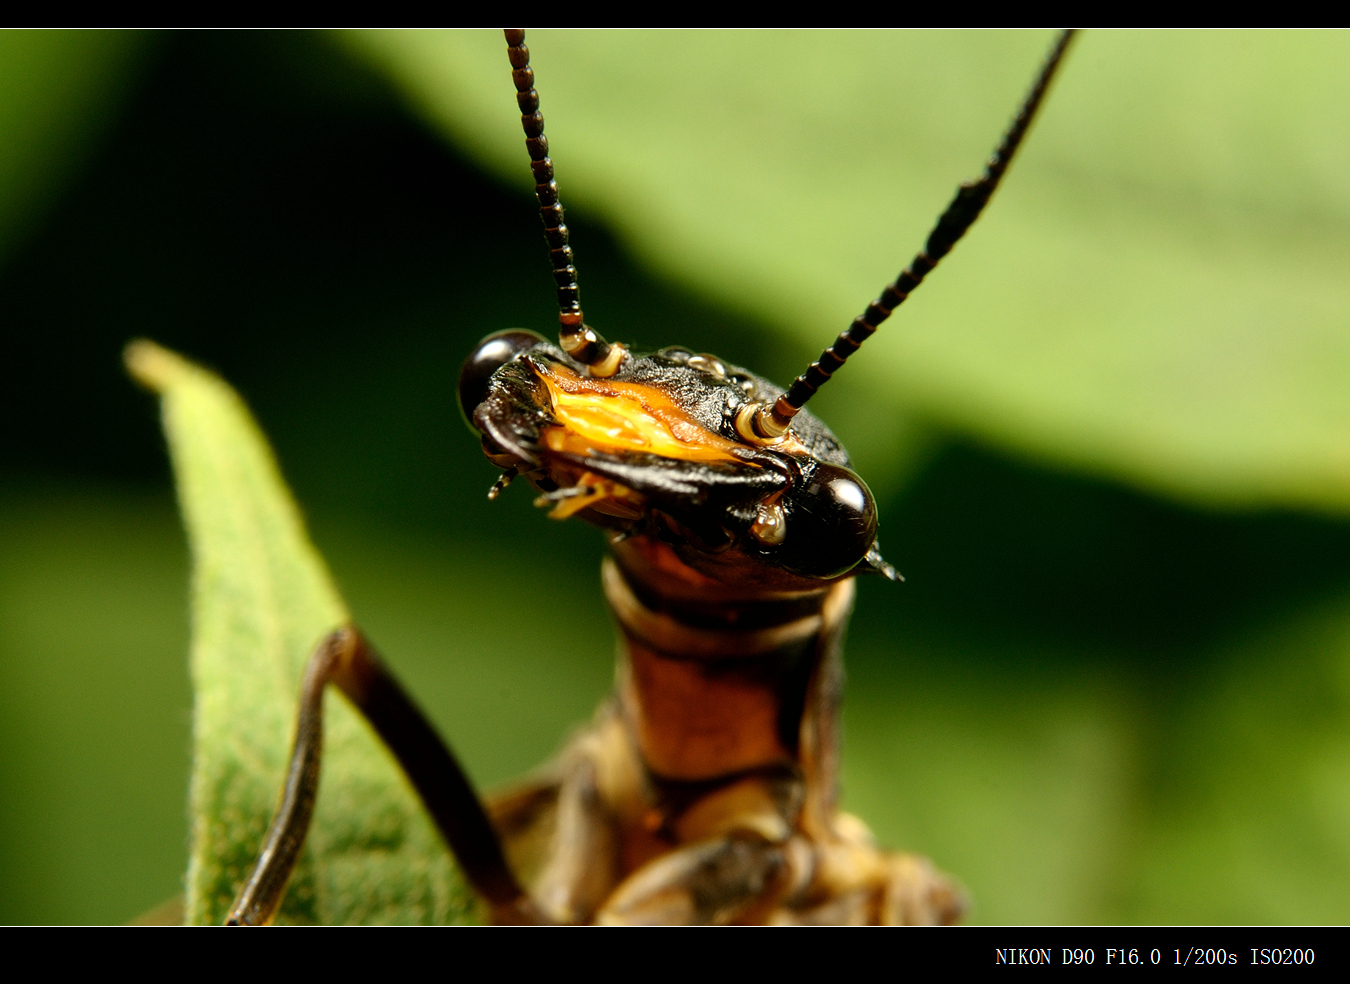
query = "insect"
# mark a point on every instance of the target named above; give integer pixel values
(704, 789)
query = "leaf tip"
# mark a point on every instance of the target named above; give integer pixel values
(153, 366)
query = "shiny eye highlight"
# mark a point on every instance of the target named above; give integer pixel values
(831, 523)
(493, 352)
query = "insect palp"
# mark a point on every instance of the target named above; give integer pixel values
(503, 480)
(971, 197)
(578, 339)
(559, 495)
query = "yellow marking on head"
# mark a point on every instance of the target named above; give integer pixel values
(601, 415)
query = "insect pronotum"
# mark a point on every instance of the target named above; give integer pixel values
(704, 789)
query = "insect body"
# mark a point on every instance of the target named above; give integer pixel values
(704, 789)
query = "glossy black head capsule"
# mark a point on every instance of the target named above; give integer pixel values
(493, 352)
(830, 522)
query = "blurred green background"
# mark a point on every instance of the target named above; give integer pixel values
(1110, 438)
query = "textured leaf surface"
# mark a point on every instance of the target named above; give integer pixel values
(1158, 293)
(261, 598)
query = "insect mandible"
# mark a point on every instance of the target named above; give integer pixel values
(704, 790)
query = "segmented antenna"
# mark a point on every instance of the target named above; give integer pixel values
(578, 339)
(769, 424)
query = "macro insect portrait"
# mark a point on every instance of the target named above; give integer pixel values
(705, 790)
(616, 630)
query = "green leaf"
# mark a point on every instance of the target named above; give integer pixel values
(1157, 293)
(58, 90)
(261, 599)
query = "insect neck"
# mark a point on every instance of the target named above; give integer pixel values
(715, 681)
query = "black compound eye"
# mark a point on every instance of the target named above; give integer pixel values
(491, 354)
(830, 524)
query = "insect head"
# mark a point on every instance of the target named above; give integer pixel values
(660, 448)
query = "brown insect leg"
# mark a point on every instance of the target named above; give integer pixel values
(714, 882)
(345, 658)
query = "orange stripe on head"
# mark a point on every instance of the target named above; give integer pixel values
(601, 415)
(635, 418)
